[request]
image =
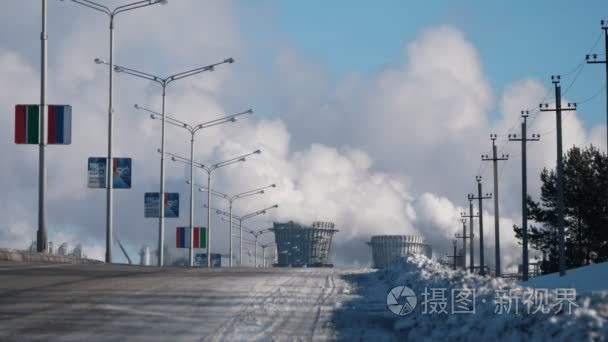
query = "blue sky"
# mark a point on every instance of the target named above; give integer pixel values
(516, 39)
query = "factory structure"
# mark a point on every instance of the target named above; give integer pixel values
(303, 246)
(388, 248)
(63, 250)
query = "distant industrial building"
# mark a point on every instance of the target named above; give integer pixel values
(78, 251)
(34, 247)
(388, 248)
(63, 249)
(303, 246)
(144, 256)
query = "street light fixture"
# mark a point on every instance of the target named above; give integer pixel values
(256, 234)
(112, 13)
(230, 200)
(192, 129)
(264, 246)
(163, 82)
(241, 219)
(209, 170)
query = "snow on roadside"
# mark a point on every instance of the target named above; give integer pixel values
(588, 321)
(590, 278)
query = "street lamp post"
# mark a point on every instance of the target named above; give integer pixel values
(193, 129)
(209, 170)
(264, 246)
(112, 13)
(256, 234)
(231, 200)
(241, 219)
(163, 82)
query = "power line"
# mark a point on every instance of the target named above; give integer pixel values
(597, 92)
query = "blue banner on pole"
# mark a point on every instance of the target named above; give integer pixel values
(200, 259)
(121, 173)
(152, 206)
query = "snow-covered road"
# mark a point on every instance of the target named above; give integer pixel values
(118, 302)
(113, 302)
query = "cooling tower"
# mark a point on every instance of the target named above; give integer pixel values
(387, 248)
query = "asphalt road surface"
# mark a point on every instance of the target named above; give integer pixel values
(121, 302)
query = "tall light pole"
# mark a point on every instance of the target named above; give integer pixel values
(112, 13)
(209, 170)
(241, 219)
(231, 200)
(256, 234)
(163, 82)
(192, 129)
(41, 236)
(264, 246)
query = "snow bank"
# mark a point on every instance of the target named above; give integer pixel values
(590, 278)
(587, 322)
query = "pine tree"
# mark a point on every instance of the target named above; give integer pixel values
(586, 206)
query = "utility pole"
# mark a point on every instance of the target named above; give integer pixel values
(464, 238)
(470, 216)
(560, 168)
(41, 236)
(524, 188)
(604, 24)
(480, 198)
(495, 159)
(454, 256)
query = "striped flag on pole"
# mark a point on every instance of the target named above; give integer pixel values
(200, 237)
(182, 235)
(59, 124)
(27, 124)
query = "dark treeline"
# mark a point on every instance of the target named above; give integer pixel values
(586, 208)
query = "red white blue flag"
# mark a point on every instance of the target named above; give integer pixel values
(180, 237)
(59, 124)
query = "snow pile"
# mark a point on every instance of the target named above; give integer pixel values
(590, 278)
(588, 321)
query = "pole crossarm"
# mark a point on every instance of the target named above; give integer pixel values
(193, 128)
(485, 157)
(124, 8)
(261, 232)
(470, 216)
(164, 81)
(245, 217)
(486, 196)
(253, 192)
(515, 137)
(184, 160)
(464, 235)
